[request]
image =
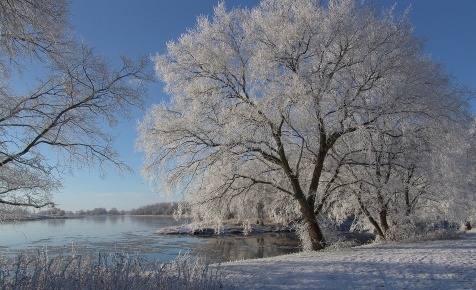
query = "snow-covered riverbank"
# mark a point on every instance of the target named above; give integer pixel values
(446, 264)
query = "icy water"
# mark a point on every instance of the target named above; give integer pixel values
(135, 235)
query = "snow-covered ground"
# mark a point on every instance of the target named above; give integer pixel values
(446, 264)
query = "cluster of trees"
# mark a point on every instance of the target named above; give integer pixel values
(161, 208)
(55, 211)
(56, 97)
(315, 110)
(100, 211)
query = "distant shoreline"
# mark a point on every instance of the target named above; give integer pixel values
(56, 217)
(39, 217)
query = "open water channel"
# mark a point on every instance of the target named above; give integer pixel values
(135, 235)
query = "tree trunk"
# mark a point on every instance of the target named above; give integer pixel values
(306, 205)
(377, 227)
(314, 231)
(317, 238)
(379, 230)
(383, 220)
(407, 201)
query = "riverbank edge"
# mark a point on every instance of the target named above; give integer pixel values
(227, 229)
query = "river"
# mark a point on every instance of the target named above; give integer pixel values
(135, 235)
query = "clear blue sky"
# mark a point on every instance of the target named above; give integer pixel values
(141, 27)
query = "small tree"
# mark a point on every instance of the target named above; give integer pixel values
(266, 104)
(55, 123)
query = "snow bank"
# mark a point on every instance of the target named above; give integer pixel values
(447, 264)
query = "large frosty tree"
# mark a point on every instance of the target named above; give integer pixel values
(55, 97)
(269, 105)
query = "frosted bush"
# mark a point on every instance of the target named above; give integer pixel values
(341, 243)
(246, 227)
(116, 271)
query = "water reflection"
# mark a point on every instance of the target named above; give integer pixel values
(102, 220)
(230, 248)
(56, 222)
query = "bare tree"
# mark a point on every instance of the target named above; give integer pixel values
(56, 123)
(266, 103)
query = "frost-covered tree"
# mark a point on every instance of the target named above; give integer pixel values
(55, 97)
(415, 169)
(395, 185)
(267, 103)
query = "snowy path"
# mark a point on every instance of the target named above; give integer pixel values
(449, 264)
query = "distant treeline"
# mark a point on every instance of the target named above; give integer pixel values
(160, 208)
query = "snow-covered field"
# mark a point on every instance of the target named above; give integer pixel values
(446, 264)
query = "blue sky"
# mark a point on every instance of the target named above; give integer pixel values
(143, 27)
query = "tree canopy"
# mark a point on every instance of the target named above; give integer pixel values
(56, 97)
(312, 110)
